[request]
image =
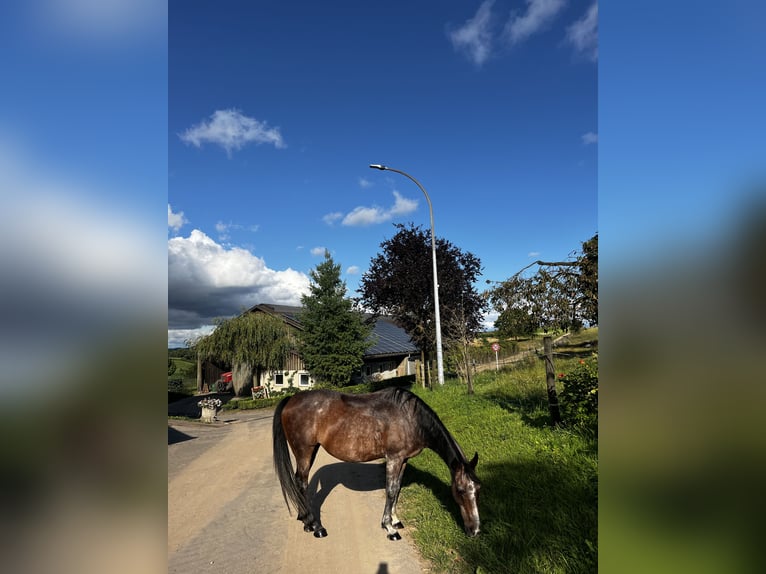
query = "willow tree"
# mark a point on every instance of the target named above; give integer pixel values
(250, 343)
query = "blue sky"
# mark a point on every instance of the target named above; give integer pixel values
(276, 109)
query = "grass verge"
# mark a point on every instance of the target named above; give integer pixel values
(539, 485)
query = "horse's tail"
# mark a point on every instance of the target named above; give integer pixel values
(282, 463)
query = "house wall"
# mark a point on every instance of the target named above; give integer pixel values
(387, 368)
(281, 380)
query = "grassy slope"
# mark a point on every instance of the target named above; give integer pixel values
(538, 500)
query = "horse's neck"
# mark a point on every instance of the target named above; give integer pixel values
(443, 444)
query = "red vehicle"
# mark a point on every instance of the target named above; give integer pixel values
(224, 382)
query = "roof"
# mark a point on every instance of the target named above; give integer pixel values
(389, 338)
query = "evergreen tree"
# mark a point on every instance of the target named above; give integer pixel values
(335, 335)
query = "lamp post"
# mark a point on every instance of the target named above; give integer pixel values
(439, 354)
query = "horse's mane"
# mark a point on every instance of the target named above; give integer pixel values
(431, 427)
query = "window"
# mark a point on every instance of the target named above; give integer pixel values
(279, 379)
(304, 380)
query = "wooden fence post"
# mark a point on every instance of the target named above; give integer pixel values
(550, 381)
(199, 374)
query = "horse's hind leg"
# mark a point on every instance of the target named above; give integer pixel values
(394, 471)
(303, 461)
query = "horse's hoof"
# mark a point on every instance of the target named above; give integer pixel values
(320, 533)
(394, 536)
(398, 525)
(307, 528)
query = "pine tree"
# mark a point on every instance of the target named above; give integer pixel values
(335, 335)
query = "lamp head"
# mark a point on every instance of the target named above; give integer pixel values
(378, 166)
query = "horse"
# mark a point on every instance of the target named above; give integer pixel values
(393, 423)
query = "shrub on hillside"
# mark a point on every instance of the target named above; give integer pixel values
(579, 396)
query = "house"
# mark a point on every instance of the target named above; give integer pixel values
(393, 354)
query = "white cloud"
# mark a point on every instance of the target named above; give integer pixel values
(232, 130)
(317, 251)
(533, 254)
(179, 337)
(474, 38)
(207, 280)
(361, 216)
(539, 14)
(402, 205)
(331, 218)
(224, 229)
(488, 321)
(365, 183)
(353, 270)
(176, 220)
(589, 138)
(583, 34)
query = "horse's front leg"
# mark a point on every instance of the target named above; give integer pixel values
(394, 518)
(394, 471)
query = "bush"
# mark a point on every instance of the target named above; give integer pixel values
(579, 397)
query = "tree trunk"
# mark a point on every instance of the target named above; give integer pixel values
(199, 374)
(467, 361)
(242, 378)
(550, 382)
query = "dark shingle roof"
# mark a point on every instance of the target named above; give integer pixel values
(389, 338)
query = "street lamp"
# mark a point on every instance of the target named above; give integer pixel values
(439, 354)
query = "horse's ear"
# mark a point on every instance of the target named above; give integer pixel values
(474, 461)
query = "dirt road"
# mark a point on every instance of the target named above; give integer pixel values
(226, 513)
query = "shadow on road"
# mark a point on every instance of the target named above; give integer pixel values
(175, 436)
(352, 475)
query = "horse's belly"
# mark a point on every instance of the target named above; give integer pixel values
(355, 443)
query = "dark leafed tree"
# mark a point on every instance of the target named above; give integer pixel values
(249, 343)
(335, 334)
(560, 295)
(399, 283)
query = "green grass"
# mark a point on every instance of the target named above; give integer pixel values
(186, 371)
(539, 485)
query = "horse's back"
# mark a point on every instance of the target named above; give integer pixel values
(350, 427)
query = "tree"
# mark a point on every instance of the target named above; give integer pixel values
(335, 335)
(250, 343)
(399, 283)
(587, 280)
(515, 322)
(460, 345)
(171, 366)
(560, 295)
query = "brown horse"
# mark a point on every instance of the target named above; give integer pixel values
(393, 424)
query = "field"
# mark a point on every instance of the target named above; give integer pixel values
(539, 485)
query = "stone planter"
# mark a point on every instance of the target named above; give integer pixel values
(208, 414)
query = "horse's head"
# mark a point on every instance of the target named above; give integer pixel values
(465, 489)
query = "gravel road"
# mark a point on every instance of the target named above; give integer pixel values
(226, 513)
